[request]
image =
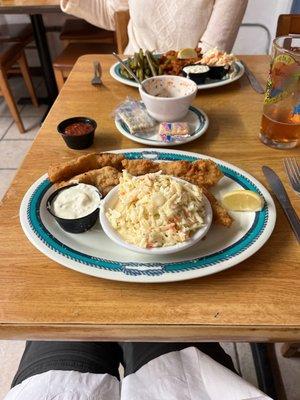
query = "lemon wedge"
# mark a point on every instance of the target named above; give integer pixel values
(187, 53)
(243, 200)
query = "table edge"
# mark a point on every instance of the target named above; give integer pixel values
(151, 332)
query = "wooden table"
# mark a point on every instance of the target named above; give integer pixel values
(29, 6)
(257, 300)
(35, 9)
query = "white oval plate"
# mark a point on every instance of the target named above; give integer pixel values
(211, 83)
(93, 253)
(196, 118)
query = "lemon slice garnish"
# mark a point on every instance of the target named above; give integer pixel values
(243, 200)
(187, 53)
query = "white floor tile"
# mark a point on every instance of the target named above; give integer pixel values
(10, 354)
(12, 152)
(30, 111)
(246, 362)
(290, 372)
(18, 87)
(5, 123)
(19, 90)
(4, 111)
(6, 177)
(32, 126)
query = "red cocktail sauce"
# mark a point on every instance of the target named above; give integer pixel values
(78, 129)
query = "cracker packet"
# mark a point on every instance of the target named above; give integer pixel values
(134, 114)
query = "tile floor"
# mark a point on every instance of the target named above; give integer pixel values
(13, 147)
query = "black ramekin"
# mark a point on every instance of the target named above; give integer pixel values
(76, 225)
(77, 142)
(217, 72)
(197, 77)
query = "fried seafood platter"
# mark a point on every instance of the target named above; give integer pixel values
(104, 171)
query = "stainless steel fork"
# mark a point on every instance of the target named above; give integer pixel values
(292, 170)
(96, 81)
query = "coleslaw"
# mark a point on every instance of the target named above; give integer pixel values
(156, 210)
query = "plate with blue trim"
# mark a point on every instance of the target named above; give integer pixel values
(93, 253)
(236, 73)
(197, 121)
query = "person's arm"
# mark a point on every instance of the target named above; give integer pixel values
(97, 12)
(224, 24)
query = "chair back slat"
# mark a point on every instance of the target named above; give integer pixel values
(288, 24)
(121, 22)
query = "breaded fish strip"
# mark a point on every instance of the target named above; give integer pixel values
(220, 214)
(140, 167)
(104, 179)
(88, 162)
(205, 173)
(201, 172)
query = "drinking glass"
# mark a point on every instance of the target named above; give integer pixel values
(280, 124)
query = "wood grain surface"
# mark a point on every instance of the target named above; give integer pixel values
(29, 6)
(257, 300)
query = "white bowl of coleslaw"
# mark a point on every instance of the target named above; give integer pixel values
(121, 215)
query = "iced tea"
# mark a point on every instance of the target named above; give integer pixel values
(280, 124)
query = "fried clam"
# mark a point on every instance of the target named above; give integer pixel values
(88, 162)
(104, 179)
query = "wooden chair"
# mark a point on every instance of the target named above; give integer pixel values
(18, 33)
(290, 350)
(11, 53)
(288, 24)
(64, 62)
(80, 31)
(121, 23)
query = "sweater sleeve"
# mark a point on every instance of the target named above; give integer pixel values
(224, 24)
(97, 12)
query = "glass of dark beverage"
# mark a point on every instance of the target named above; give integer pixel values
(280, 125)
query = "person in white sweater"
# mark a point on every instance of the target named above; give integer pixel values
(164, 25)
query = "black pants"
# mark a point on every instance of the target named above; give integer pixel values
(102, 357)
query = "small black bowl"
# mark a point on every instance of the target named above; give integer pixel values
(77, 142)
(76, 225)
(198, 77)
(217, 72)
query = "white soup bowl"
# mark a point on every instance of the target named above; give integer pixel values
(168, 97)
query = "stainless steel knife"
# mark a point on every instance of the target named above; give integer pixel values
(252, 79)
(281, 194)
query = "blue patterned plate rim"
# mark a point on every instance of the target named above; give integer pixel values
(199, 131)
(132, 270)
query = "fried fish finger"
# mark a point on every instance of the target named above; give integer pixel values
(140, 167)
(175, 168)
(201, 172)
(205, 173)
(104, 179)
(220, 214)
(65, 171)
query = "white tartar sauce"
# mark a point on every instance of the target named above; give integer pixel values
(76, 201)
(195, 69)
